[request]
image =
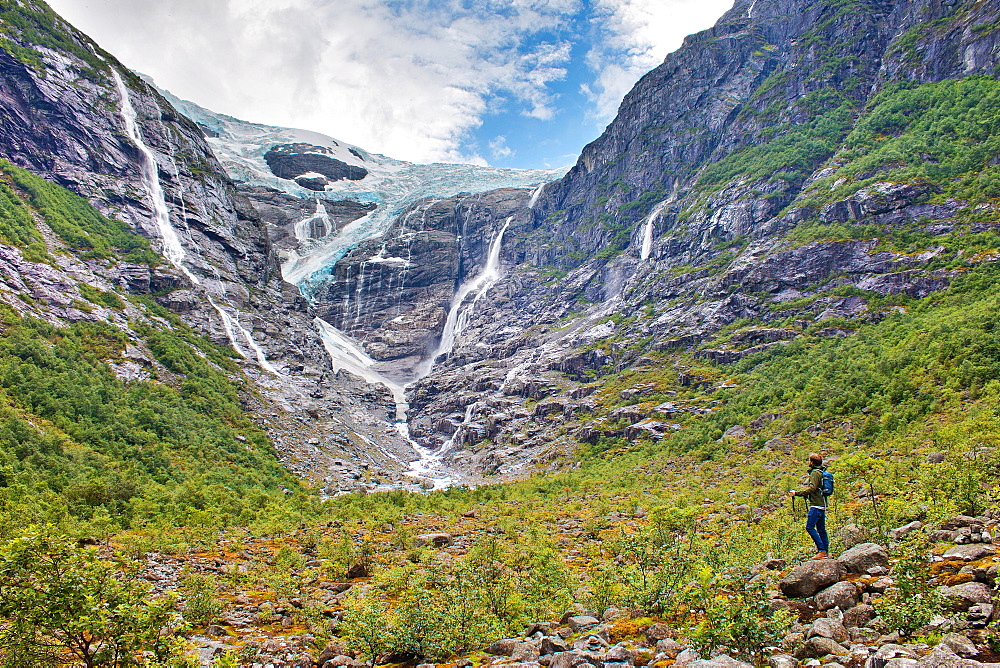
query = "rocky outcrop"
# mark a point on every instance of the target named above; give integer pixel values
(312, 164)
(61, 118)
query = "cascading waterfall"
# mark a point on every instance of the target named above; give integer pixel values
(172, 247)
(458, 318)
(303, 227)
(647, 230)
(347, 355)
(535, 194)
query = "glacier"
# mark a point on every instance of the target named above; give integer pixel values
(392, 185)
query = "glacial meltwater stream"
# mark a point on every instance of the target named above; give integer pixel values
(172, 247)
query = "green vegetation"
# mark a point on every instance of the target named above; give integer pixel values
(17, 226)
(436, 610)
(945, 133)
(793, 153)
(72, 218)
(32, 22)
(58, 601)
(79, 445)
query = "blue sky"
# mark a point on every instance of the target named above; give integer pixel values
(512, 83)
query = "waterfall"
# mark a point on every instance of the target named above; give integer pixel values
(458, 318)
(232, 325)
(347, 355)
(303, 228)
(535, 194)
(172, 248)
(647, 229)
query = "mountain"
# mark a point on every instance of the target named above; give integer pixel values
(785, 242)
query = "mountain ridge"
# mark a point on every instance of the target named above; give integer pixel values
(785, 243)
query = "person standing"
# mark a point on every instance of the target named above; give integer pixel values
(816, 502)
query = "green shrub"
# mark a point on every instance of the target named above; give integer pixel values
(58, 599)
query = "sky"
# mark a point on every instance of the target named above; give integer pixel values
(509, 83)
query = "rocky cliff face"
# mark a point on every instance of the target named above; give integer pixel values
(676, 222)
(743, 197)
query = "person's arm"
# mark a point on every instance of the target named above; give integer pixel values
(815, 480)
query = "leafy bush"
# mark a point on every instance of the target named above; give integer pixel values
(57, 598)
(437, 610)
(914, 600)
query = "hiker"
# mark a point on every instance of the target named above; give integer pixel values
(816, 502)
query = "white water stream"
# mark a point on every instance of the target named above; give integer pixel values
(346, 354)
(302, 227)
(458, 317)
(647, 230)
(172, 247)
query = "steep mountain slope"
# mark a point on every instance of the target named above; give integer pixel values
(787, 242)
(798, 163)
(75, 116)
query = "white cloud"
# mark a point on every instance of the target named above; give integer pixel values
(410, 78)
(499, 148)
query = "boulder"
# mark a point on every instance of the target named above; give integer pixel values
(890, 651)
(852, 534)
(811, 576)
(342, 661)
(782, 661)
(900, 532)
(843, 595)
(686, 658)
(579, 622)
(524, 651)
(613, 613)
(433, 539)
(824, 627)
(658, 632)
(958, 644)
(858, 616)
(670, 647)
(331, 651)
(819, 646)
(553, 646)
(861, 557)
(941, 657)
(960, 522)
(503, 647)
(972, 552)
(566, 660)
(964, 596)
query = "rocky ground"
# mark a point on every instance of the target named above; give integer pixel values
(836, 604)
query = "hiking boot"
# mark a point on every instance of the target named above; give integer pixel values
(821, 555)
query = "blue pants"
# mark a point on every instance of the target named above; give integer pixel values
(816, 526)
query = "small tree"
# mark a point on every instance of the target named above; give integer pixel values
(56, 597)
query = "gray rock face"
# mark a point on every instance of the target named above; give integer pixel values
(843, 595)
(861, 557)
(811, 576)
(964, 596)
(289, 161)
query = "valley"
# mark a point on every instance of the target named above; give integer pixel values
(312, 405)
